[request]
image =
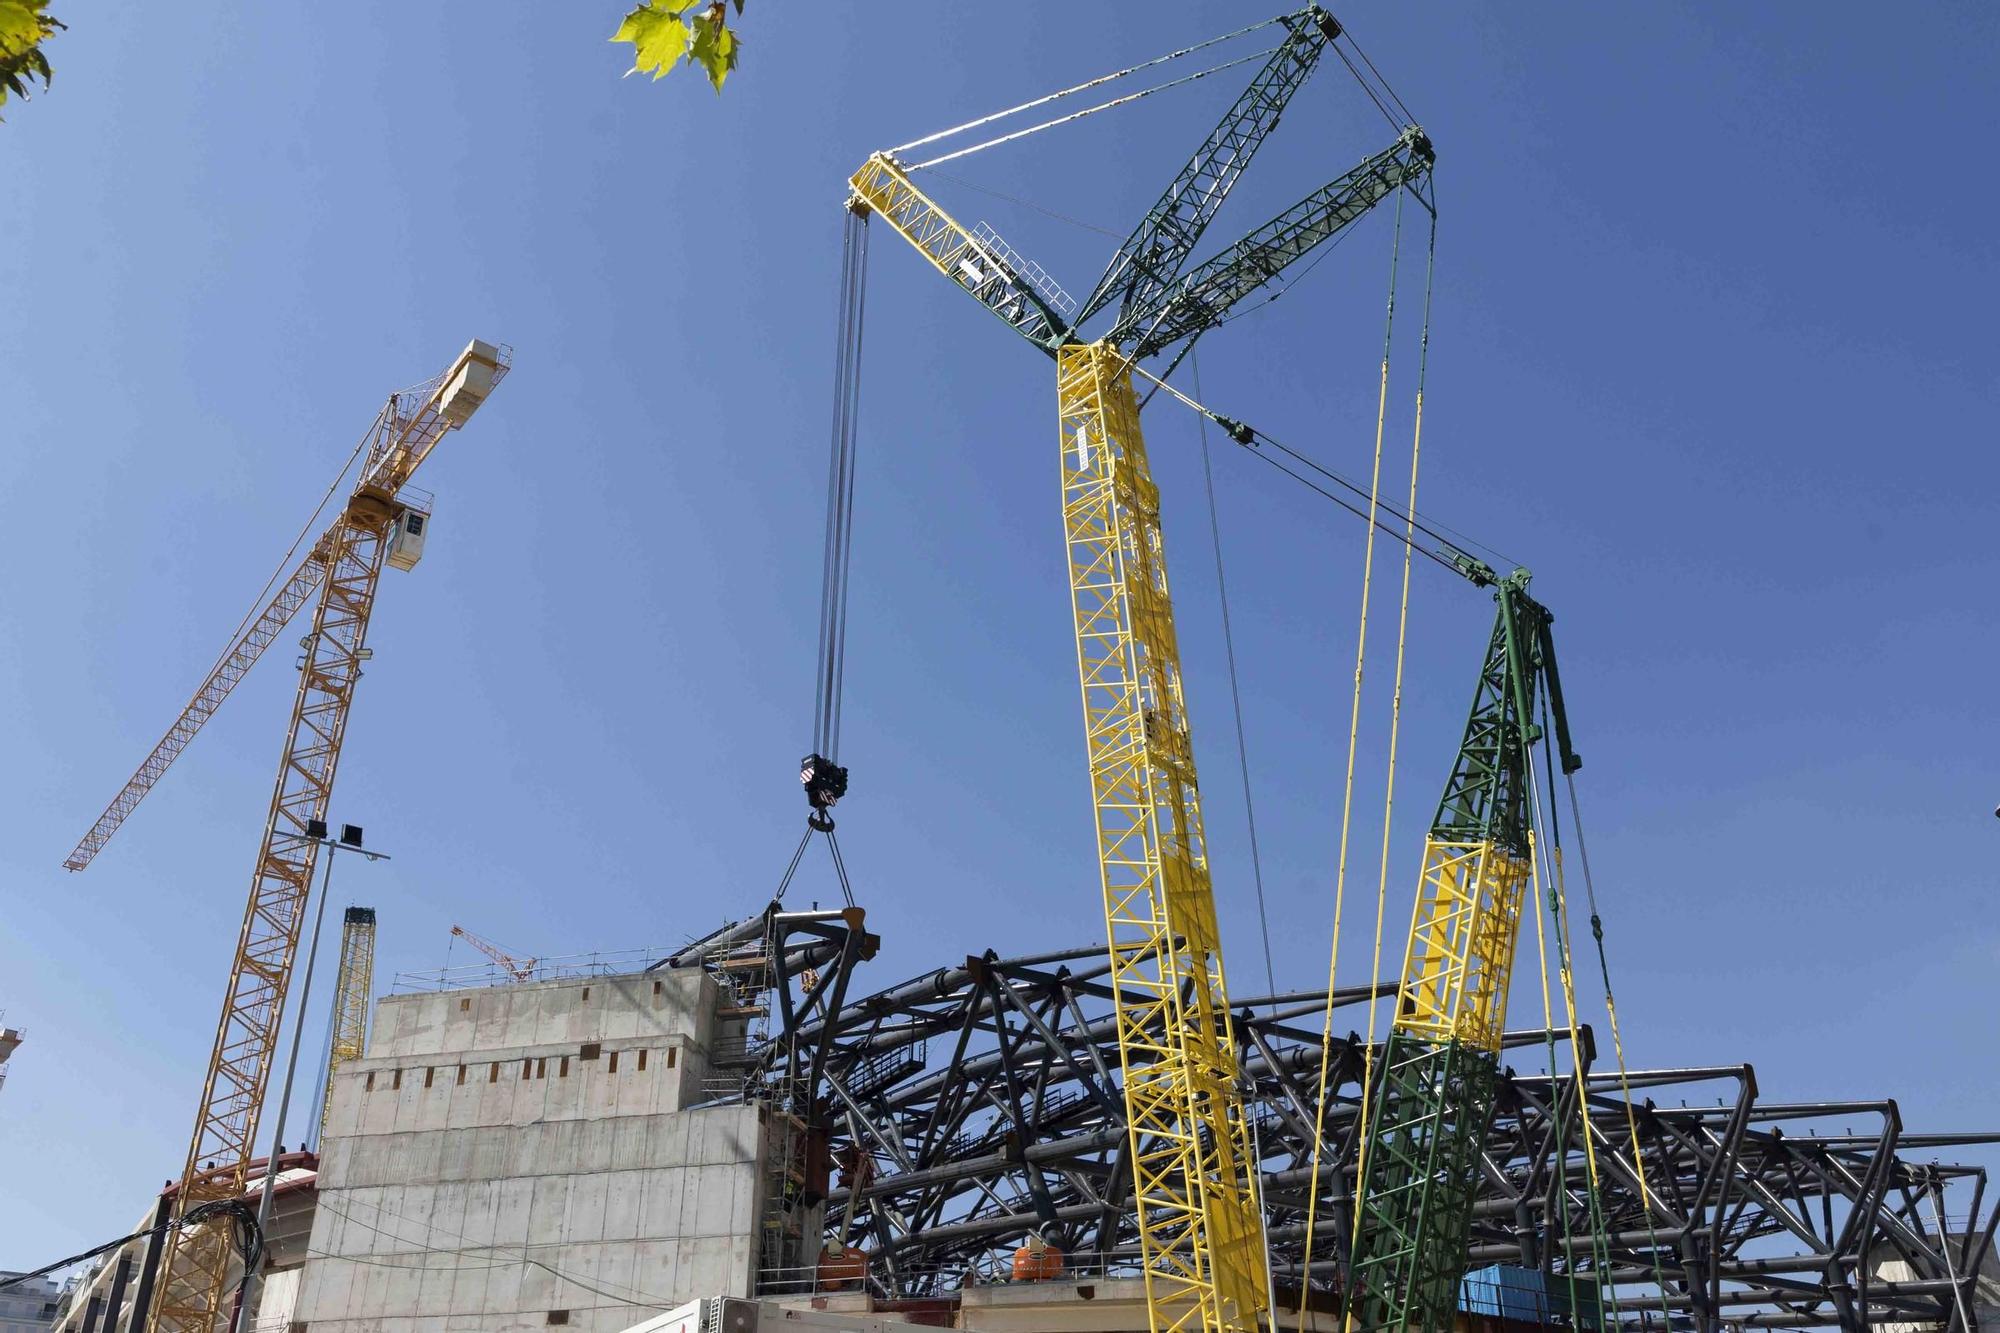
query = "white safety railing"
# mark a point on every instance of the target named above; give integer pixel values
(467, 976)
(1027, 269)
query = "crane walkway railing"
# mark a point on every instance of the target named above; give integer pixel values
(1026, 269)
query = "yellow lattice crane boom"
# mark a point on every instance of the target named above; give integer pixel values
(1188, 1147)
(380, 521)
(353, 987)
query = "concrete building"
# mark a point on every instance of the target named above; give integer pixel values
(30, 1307)
(520, 1156)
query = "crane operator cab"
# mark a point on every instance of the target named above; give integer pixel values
(406, 538)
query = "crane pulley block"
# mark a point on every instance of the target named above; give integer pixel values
(825, 782)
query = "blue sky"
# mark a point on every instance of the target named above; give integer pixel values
(1711, 353)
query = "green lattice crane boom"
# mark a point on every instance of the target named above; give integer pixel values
(1432, 1095)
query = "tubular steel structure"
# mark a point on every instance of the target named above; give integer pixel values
(348, 559)
(1189, 1142)
(982, 1102)
(353, 988)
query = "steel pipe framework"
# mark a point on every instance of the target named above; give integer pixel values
(978, 1103)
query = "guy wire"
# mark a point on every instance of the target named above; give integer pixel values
(1354, 727)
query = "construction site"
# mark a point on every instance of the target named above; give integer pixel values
(790, 1118)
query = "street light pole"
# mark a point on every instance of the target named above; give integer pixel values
(350, 841)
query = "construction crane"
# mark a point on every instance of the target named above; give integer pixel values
(353, 987)
(1432, 1095)
(1188, 1148)
(380, 521)
(521, 969)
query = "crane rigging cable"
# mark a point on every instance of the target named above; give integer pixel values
(824, 779)
(1354, 714)
(1559, 932)
(1235, 697)
(1395, 708)
(1448, 546)
(1127, 99)
(820, 772)
(1085, 86)
(1029, 204)
(1617, 1040)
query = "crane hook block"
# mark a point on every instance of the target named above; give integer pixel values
(825, 782)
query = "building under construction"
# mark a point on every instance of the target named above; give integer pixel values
(592, 1146)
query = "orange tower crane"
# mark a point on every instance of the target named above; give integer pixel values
(381, 521)
(521, 969)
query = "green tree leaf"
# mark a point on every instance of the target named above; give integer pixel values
(659, 38)
(714, 46)
(24, 26)
(20, 27)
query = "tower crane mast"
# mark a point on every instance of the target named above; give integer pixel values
(353, 987)
(379, 521)
(1188, 1149)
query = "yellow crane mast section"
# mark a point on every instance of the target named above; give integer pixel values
(1461, 950)
(352, 988)
(1200, 1229)
(196, 1267)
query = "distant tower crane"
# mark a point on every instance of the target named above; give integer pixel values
(521, 969)
(353, 987)
(380, 521)
(1188, 1151)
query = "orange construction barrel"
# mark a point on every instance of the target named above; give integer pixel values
(1037, 1261)
(841, 1268)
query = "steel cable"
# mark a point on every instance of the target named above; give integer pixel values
(1354, 726)
(839, 541)
(1235, 694)
(1085, 86)
(1395, 731)
(1090, 110)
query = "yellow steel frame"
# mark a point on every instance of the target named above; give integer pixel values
(1201, 1232)
(883, 186)
(352, 989)
(1462, 936)
(1200, 1227)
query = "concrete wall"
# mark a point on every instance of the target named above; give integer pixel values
(478, 1173)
